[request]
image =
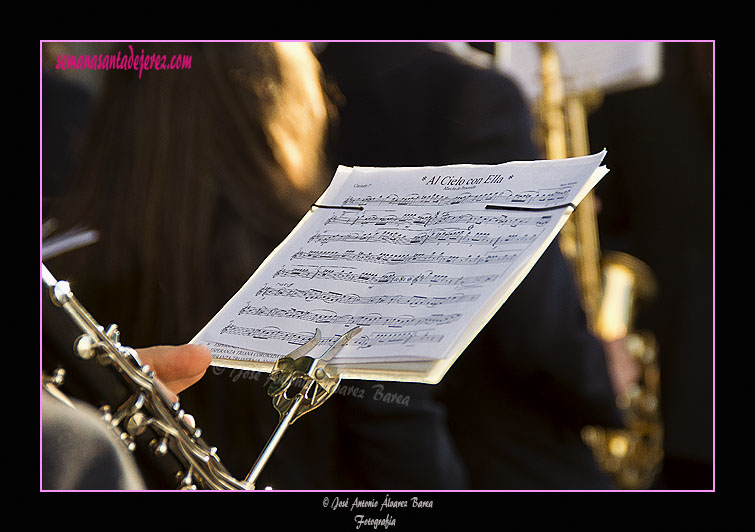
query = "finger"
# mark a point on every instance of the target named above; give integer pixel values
(178, 367)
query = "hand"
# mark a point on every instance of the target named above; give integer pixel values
(624, 369)
(177, 367)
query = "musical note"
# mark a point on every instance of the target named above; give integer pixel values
(398, 338)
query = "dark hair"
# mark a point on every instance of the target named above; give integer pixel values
(192, 176)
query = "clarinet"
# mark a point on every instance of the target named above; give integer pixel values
(148, 411)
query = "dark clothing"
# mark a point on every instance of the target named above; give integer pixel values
(65, 112)
(79, 452)
(658, 207)
(520, 393)
(408, 105)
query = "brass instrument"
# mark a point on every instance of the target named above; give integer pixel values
(610, 286)
(632, 455)
(298, 384)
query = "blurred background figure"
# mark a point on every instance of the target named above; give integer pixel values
(658, 206)
(191, 177)
(65, 110)
(179, 162)
(518, 397)
(651, 105)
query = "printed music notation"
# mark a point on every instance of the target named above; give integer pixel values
(425, 219)
(447, 236)
(362, 342)
(500, 197)
(375, 278)
(312, 294)
(326, 316)
(421, 271)
(351, 255)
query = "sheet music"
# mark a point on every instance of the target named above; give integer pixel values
(419, 257)
(605, 66)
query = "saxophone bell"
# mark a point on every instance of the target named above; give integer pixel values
(626, 280)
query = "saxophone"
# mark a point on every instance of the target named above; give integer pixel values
(610, 285)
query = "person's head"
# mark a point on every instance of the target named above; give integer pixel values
(253, 110)
(236, 139)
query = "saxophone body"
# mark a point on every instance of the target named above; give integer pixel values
(611, 285)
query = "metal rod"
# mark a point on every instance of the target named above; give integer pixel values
(272, 443)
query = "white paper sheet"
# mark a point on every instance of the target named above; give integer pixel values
(605, 66)
(421, 258)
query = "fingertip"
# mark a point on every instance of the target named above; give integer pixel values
(201, 354)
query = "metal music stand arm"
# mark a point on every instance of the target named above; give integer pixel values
(315, 381)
